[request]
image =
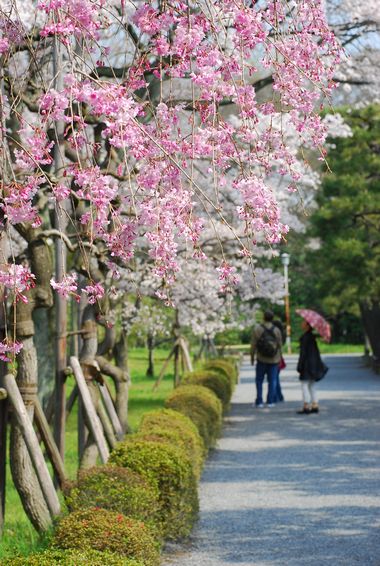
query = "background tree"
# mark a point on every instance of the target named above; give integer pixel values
(345, 265)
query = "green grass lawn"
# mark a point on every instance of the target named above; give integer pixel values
(19, 535)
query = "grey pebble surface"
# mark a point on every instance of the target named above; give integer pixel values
(293, 490)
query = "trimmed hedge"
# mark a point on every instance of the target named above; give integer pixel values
(104, 530)
(217, 382)
(223, 367)
(235, 361)
(169, 469)
(202, 406)
(117, 489)
(179, 429)
(71, 558)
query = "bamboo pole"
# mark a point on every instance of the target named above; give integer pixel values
(48, 440)
(32, 444)
(107, 425)
(93, 419)
(111, 411)
(159, 379)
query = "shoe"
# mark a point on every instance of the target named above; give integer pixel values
(260, 406)
(304, 411)
(314, 410)
(271, 405)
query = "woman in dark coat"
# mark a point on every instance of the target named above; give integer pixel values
(311, 369)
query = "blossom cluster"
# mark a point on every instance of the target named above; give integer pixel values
(9, 349)
(156, 128)
(68, 287)
(17, 279)
(71, 17)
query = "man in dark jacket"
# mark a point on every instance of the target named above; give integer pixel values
(266, 347)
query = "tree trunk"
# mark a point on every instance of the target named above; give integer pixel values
(3, 402)
(201, 349)
(44, 342)
(3, 458)
(176, 334)
(150, 344)
(23, 473)
(122, 384)
(370, 311)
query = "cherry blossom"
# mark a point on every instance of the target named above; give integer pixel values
(17, 279)
(9, 348)
(94, 292)
(67, 286)
(143, 127)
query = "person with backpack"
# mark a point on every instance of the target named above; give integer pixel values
(266, 347)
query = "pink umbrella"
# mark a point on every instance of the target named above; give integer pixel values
(316, 321)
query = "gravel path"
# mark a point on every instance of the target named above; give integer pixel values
(294, 490)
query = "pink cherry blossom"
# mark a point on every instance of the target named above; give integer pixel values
(17, 279)
(94, 292)
(8, 347)
(67, 286)
(160, 125)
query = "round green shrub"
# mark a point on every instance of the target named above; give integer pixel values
(173, 438)
(217, 382)
(168, 468)
(104, 530)
(223, 367)
(202, 406)
(235, 361)
(117, 489)
(71, 558)
(179, 428)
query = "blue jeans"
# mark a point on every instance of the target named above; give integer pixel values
(271, 371)
(278, 391)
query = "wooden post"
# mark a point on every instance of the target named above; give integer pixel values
(82, 429)
(111, 411)
(60, 223)
(31, 441)
(93, 419)
(162, 372)
(48, 440)
(107, 425)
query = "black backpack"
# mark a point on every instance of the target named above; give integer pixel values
(267, 345)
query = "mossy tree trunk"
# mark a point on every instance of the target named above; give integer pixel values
(40, 296)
